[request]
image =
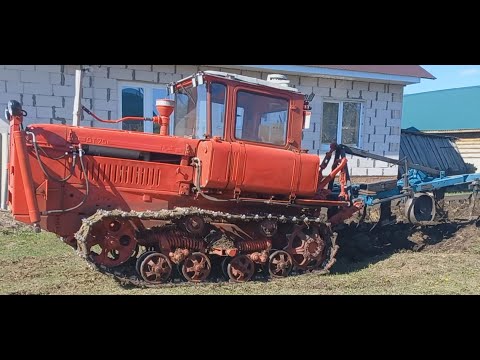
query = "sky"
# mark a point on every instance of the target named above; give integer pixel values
(447, 77)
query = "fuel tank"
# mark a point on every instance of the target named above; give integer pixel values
(256, 169)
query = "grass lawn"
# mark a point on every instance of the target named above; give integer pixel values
(41, 264)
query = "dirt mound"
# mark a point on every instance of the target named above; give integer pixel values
(361, 241)
(457, 237)
(9, 225)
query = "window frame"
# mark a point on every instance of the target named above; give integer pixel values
(197, 109)
(210, 107)
(147, 99)
(340, 120)
(260, 93)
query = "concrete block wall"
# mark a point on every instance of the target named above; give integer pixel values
(47, 91)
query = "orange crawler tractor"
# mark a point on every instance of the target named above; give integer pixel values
(224, 185)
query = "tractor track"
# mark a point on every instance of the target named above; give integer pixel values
(126, 275)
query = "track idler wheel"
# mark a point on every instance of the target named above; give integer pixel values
(420, 208)
(155, 268)
(241, 268)
(196, 267)
(111, 243)
(280, 264)
(306, 247)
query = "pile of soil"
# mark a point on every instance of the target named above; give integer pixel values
(456, 232)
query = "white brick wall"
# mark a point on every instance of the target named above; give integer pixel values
(121, 74)
(308, 81)
(13, 87)
(360, 85)
(59, 90)
(47, 92)
(140, 67)
(384, 96)
(320, 92)
(325, 82)
(37, 88)
(32, 76)
(9, 75)
(49, 68)
(20, 67)
(254, 74)
(378, 87)
(187, 70)
(164, 68)
(380, 126)
(43, 100)
(149, 76)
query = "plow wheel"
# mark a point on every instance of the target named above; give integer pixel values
(241, 268)
(155, 268)
(280, 264)
(111, 243)
(306, 247)
(196, 267)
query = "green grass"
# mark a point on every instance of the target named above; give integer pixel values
(42, 264)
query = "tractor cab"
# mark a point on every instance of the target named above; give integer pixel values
(238, 108)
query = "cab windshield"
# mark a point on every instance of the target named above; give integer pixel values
(190, 116)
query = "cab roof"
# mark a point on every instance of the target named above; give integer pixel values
(243, 78)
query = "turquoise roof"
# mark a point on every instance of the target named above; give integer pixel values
(448, 109)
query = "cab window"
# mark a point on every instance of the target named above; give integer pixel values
(261, 118)
(217, 110)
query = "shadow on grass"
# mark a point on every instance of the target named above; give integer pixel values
(360, 248)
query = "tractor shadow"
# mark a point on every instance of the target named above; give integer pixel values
(360, 247)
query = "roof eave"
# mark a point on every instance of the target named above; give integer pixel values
(327, 72)
(453, 131)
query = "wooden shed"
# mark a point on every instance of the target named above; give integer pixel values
(435, 151)
(468, 143)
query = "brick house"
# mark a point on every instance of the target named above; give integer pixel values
(360, 105)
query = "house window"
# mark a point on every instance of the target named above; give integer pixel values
(137, 99)
(261, 118)
(341, 123)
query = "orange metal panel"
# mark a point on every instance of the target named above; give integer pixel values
(309, 174)
(272, 171)
(111, 138)
(104, 172)
(215, 156)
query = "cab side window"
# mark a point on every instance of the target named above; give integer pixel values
(218, 95)
(261, 118)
